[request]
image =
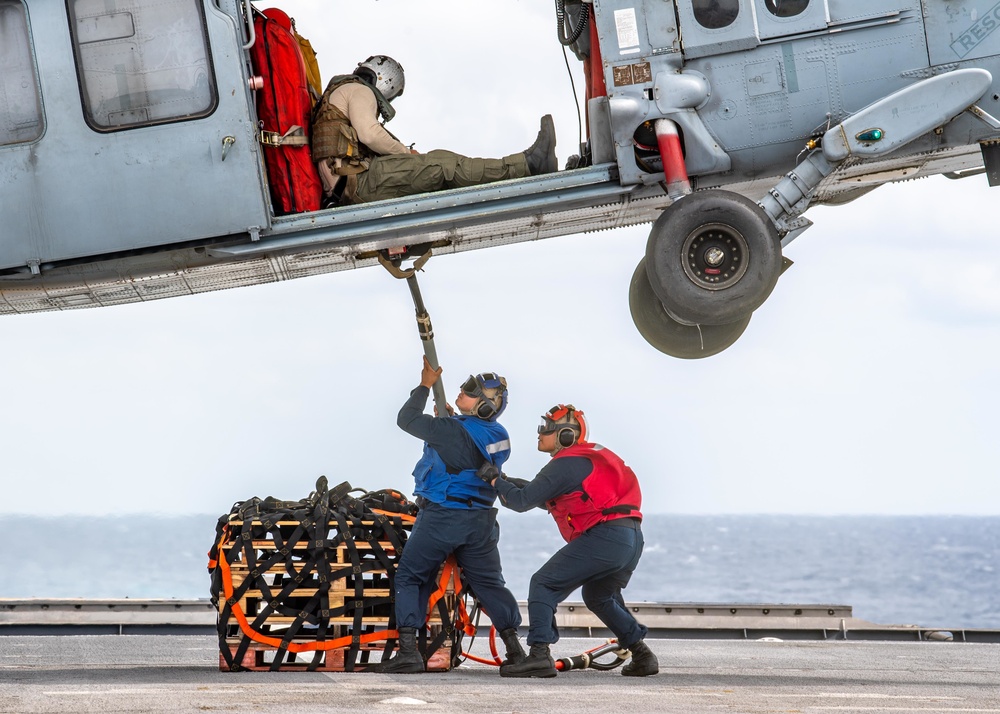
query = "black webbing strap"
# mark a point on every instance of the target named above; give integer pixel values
(250, 560)
(320, 534)
(390, 529)
(470, 501)
(447, 628)
(620, 508)
(351, 656)
(317, 547)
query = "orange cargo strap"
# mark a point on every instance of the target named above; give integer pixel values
(227, 586)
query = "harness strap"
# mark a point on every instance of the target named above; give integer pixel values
(470, 500)
(620, 508)
(438, 599)
(295, 136)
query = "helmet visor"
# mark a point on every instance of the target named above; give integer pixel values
(547, 427)
(475, 384)
(549, 418)
(471, 387)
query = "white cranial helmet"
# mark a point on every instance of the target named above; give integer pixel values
(388, 75)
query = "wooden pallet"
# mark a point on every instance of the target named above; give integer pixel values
(342, 592)
(259, 658)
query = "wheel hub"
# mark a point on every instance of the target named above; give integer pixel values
(715, 256)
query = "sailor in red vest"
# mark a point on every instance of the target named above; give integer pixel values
(595, 500)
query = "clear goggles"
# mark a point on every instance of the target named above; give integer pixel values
(553, 415)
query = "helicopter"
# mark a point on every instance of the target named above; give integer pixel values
(719, 122)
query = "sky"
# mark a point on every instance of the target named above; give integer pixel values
(866, 384)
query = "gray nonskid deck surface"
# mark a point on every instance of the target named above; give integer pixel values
(180, 674)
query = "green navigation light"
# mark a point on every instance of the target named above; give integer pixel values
(870, 135)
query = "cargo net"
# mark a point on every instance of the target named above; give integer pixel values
(309, 584)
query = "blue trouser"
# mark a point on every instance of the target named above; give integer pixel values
(472, 535)
(602, 561)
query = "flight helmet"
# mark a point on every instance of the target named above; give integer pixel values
(567, 422)
(385, 74)
(490, 391)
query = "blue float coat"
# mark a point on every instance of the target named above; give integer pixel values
(446, 473)
(446, 435)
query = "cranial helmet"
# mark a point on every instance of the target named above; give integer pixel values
(386, 73)
(490, 391)
(568, 423)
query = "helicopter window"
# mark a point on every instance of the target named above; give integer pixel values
(786, 8)
(142, 62)
(20, 107)
(715, 14)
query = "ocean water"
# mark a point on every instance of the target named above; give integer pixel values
(933, 571)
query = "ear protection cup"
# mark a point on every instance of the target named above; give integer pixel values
(485, 409)
(566, 436)
(479, 387)
(567, 433)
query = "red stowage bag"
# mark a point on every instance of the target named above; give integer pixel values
(282, 103)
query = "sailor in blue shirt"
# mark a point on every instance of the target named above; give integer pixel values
(456, 511)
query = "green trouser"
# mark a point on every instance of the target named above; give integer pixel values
(398, 175)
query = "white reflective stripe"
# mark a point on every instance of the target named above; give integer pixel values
(498, 446)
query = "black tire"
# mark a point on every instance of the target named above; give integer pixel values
(713, 257)
(669, 336)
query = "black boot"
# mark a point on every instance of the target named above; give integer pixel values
(643, 662)
(515, 653)
(407, 660)
(541, 156)
(538, 663)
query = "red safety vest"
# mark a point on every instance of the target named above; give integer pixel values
(611, 491)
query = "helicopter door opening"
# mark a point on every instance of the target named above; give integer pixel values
(712, 27)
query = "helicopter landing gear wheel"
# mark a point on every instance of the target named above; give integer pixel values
(669, 336)
(713, 257)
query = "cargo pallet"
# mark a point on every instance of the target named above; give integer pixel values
(308, 586)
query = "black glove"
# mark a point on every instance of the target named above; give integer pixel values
(487, 472)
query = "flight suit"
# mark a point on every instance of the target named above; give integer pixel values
(393, 170)
(408, 174)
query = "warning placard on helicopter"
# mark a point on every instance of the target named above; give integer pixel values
(632, 74)
(628, 31)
